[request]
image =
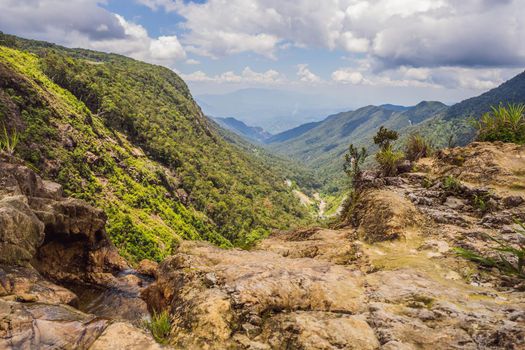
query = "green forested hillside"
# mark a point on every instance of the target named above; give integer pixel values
(453, 126)
(323, 146)
(128, 137)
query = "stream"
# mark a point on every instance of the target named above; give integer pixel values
(121, 300)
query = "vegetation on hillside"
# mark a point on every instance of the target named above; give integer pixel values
(128, 137)
(502, 123)
(322, 145)
(387, 158)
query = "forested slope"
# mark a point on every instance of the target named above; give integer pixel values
(128, 137)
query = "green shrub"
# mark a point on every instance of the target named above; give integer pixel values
(510, 258)
(450, 183)
(417, 147)
(389, 160)
(8, 142)
(160, 326)
(505, 124)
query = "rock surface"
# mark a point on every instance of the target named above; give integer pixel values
(46, 239)
(391, 282)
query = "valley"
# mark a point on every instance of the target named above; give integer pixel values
(131, 220)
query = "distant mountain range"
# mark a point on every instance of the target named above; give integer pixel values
(252, 133)
(286, 109)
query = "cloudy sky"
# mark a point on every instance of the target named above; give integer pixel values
(360, 51)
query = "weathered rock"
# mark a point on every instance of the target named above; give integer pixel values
(21, 233)
(330, 245)
(319, 330)
(45, 326)
(250, 287)
(384, 215)
(148, 268)
(123, 336)
(16, 281)
(513, 201)
(405, 166)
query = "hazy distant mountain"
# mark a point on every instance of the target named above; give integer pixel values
(395, 108)
(254, 133)
(273, 110)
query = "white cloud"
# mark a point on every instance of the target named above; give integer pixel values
(305, 75)
(269, 77)
(439, 77)
(83, 23)
(418, 33)
(347, 76)
(192, 61)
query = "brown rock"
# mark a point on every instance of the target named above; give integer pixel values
(123, 336)
(148, 268)
(384, 215)
(250, 287)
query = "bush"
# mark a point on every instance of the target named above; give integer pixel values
(160, 326)
(450, 183)
(505, 124)
(389, 160)
(417, 147)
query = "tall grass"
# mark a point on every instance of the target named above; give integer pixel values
(417, 147)
(160, 326)
(389, 160)
(502, 123)
(8, 142)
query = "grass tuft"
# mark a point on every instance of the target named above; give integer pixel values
(160, 326)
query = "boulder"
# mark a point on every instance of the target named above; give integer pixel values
(384, 215)
(21, 233)
(123, 336)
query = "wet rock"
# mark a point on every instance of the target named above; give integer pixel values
(148, 268)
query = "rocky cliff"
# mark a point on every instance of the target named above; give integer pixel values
(48, 241)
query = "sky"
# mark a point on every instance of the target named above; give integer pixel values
(357, 52)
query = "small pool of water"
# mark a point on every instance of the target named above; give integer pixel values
(121, 300)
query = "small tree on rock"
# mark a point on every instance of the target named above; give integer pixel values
(354, 160)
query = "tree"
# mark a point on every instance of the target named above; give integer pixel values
(354, 159)
(385, 137)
